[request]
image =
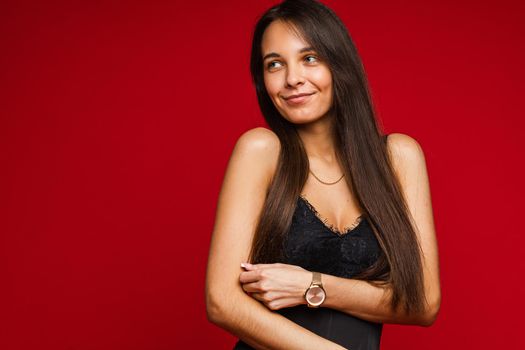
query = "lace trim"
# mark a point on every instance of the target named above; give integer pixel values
(330, 226)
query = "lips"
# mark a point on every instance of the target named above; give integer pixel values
(298, 99)
(298, 95)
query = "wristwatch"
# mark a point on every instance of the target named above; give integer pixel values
(315, 294)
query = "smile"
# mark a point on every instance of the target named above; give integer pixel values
(298, 99)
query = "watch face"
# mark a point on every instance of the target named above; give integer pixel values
(315, 295)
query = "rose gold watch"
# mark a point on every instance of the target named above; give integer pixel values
(315, 294)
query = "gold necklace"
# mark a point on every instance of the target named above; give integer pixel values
(326, 183)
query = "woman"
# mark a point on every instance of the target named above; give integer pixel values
(335, 217)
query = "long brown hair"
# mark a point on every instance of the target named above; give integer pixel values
(360, 147)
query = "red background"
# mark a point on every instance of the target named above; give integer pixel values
(117, 122)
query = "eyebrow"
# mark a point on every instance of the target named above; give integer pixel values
(273, 54)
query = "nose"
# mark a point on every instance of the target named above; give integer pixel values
(294, 75)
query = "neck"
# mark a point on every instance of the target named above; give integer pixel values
(318, 140)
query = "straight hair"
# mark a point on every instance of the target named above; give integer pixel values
(360, 148)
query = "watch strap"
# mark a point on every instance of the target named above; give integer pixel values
(316, 279)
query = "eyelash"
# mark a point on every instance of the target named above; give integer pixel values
(269, 66)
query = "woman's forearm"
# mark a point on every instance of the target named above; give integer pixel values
(264, 329)
(368, 302)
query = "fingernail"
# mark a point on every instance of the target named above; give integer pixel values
(243, 265)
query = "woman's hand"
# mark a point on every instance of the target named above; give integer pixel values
(276, 285)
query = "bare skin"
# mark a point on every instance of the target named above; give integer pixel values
(241, 300)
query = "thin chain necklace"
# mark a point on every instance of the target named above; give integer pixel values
(326, 183)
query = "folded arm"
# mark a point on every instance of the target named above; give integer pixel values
(240, 202)
(261, 328)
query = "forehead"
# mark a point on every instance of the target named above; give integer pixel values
(281, 37)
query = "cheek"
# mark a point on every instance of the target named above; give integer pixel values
(323, 79)
(271, 85)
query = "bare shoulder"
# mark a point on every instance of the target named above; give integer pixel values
(404, 146)
(260, 140)
(405, 152)
(260, 146)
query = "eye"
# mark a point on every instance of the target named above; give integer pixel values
(273, 64)
(311, 58)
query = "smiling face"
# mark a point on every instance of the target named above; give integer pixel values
(296, 79)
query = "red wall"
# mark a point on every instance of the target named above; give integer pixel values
(117, 121)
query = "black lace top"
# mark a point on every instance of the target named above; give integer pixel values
(316, 245)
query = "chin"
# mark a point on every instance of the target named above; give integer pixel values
(304, 118)
(297, 119)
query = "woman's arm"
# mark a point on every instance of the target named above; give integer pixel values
(261, 328)
(242, 196)
(360, 298)
(369, 302)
